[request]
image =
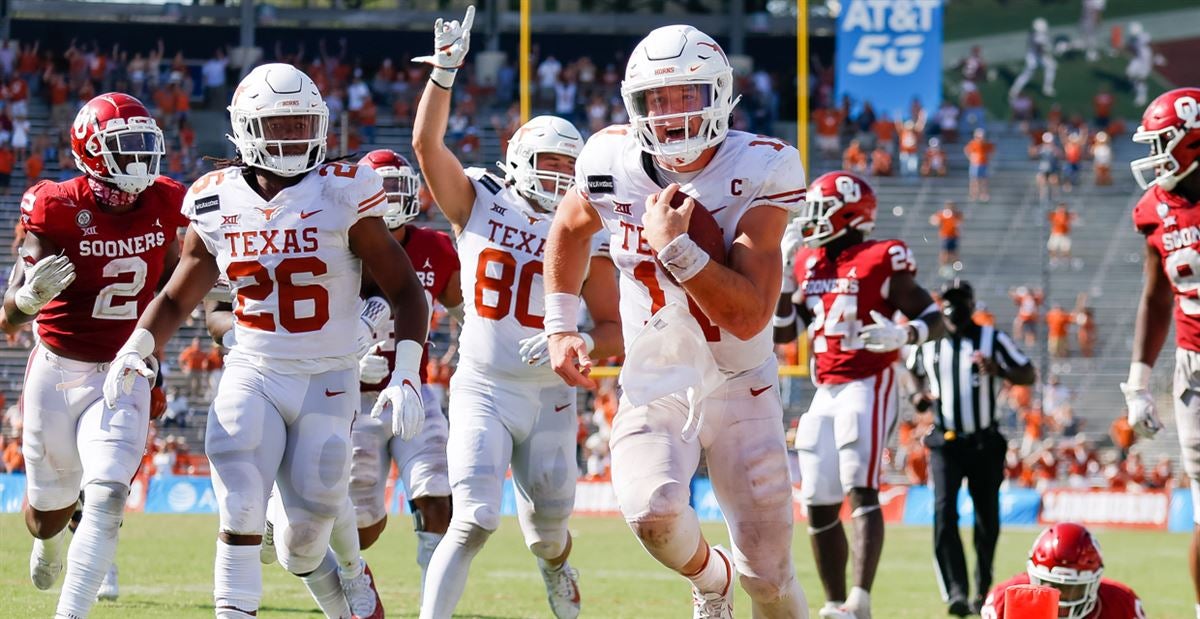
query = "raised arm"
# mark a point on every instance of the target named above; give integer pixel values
(448, 183)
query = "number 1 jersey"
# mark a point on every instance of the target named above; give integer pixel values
(501, 248)
(288, 261)
(746, 172)
(118, 261)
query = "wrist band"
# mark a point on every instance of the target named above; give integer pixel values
(562, 313)
(683, 258)
(588, 341)
(780, 322)
(443, 78)
(408, 356)
(141, 341)
(1139, 375)
(789, 284)
(920, 332)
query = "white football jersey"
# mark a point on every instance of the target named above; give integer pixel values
(294, 280)
(748, 171)
(504, 295)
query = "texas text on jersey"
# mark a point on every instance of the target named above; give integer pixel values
(118, 261)
(838, 293)
(504, 294)
(1172, 225)
(1113, 601)
(294, 279)
(747, 171)
(434, 259)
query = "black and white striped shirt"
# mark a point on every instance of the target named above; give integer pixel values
(964, 399)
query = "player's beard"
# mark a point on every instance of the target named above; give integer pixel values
(110, 196)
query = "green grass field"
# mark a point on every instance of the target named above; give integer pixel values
(166, 571)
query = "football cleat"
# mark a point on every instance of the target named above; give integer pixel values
(562, 589)
(108, 587)
(266, 553)
(43, 570)
(362, 596)
(717, 604)
(835, 610)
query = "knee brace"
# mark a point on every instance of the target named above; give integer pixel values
(107, 498)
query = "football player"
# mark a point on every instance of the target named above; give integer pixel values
(849, 289)
(1067, 557)
(421, 461)
(1168, 215)
(504, 411)
(678, 91)
(290, 234)
(95, 248)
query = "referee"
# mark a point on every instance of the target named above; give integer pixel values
(959, 374)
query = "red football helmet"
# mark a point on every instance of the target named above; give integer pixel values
(400, 181)
(115, 140)
(1067, 557)
(836, 202)
(1171, 127)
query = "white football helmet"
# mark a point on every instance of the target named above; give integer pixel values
(296, 143)
(541, 135)
(679, 56)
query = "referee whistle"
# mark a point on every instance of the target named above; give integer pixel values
(949, 435)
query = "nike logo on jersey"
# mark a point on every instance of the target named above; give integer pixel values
(330, 394)
(307, 214)
(559, 409)
(754, 393)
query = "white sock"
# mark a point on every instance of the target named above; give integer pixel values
(93, 549)
(237, 579)
(714, 576)
(344, 543)
(326, 588)
(51, 549)
(1198, 611)
(448, 569)
(859, 599)
(426, 543)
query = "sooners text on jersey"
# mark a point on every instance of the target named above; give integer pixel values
(747, 171)
(434, 259)
(288, 261)
(1115, 600)
(839, 293)
(1172, 225)
(118, 261)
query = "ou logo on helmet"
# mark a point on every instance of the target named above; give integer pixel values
(84, 119)
(849, 189)
(1188, 111)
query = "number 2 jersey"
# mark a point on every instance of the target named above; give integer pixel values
(118, 261)
(294, 279)
(1171, 225)
(501, 248)
(840, 294)
(747, 171)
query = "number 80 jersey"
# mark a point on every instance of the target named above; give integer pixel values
(1171, 225)
(118, 260)
(840, 293)
(501, 249)
(288, 261)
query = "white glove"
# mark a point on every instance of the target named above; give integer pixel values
(372, 319)
(372, 368)
(44, 280)
(535, 350)
(791, 243)
(884, 335)
(1143, 415)
(127, 366)
(403, 392)
(451, 41)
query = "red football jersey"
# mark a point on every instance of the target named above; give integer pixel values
(840, 295)
(1172, 225)
(118, 261)
(1114, 600)
(434, 259)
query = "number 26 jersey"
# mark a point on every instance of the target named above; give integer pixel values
(288, 261)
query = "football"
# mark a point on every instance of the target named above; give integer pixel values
(703, 229)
